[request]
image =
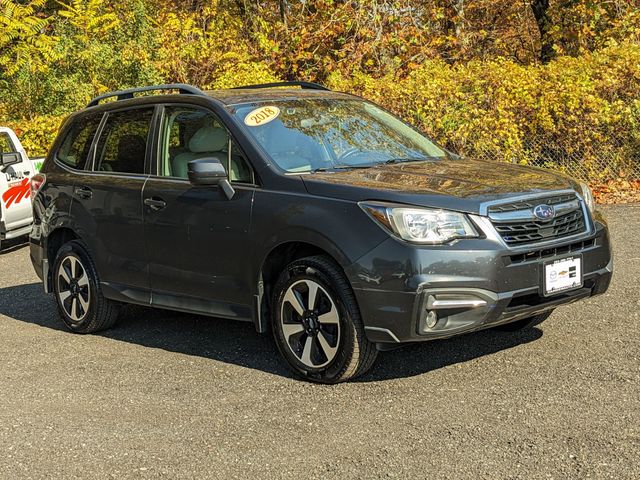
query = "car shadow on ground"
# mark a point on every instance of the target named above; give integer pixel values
(238, 343)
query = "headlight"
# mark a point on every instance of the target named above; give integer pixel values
(420, 225)
(588, 197)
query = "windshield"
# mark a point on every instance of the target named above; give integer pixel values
(304, 135)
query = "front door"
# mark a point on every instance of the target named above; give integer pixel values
(197, 239)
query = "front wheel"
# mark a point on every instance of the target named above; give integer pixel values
(316, 322)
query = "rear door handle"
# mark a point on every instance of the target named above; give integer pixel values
(155, 203)
(83, 192)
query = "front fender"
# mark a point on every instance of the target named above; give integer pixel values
(338, 227)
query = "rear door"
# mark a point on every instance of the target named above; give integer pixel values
(198, 240)
(107, 203)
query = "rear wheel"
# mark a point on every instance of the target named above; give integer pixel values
(525, 323)
(316, 322)
(81, 304)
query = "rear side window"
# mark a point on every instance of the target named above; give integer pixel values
(6, 145)
(76, 146)
(123, 142)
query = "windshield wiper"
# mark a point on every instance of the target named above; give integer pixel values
(341, 167)
(391, 161)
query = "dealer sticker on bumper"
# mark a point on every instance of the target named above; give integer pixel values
(563, 274)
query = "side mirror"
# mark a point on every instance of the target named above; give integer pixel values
(11, 158)
(209, 172)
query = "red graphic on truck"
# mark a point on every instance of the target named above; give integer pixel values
(16, 193)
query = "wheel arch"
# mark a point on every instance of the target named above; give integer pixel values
(274, 262)
(55, 240)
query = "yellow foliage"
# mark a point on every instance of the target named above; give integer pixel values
(195, 48)
(22, 41)
(496, 108)
(36, 135)
(569, 111)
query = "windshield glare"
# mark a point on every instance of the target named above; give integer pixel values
(305, 135)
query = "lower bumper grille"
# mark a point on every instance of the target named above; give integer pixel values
(537, 255)
(537, 300)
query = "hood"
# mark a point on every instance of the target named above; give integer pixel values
(455, 184)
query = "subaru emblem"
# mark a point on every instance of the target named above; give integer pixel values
(544, 212)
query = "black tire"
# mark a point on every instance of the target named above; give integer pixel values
(100, 313)
(339, 347)
(525, 323)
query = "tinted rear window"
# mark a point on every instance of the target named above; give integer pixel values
(123, 142)
(77, 143)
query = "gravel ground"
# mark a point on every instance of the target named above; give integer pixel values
(179, 396)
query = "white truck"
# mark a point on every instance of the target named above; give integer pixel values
(16, 170)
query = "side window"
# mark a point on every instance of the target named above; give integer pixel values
(189, 134)
(6, 145)
(74, 150)
(123, 142)
(239, 166)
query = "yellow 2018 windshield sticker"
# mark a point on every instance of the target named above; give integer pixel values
(261, 115)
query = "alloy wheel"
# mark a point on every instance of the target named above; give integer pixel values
(73, 288)
(310, 323)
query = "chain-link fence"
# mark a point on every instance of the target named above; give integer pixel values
(613, 157)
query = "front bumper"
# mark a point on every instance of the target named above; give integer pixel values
(469, 285)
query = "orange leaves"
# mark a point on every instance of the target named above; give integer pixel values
(617, 191)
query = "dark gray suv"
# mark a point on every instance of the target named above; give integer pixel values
(314, 214)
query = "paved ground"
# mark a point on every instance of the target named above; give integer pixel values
(186, 397)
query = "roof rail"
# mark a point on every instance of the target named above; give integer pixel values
(304, 85)
(183, 88)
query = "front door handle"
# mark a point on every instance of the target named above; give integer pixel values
(155, 203)
(83, 192)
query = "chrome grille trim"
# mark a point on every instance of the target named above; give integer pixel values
(527, 215)
(530, 201)
(514, 224)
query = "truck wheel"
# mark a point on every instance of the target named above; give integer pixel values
(81, 304)
(524, 323)
(316, 322)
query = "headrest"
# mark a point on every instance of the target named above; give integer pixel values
(208, 139)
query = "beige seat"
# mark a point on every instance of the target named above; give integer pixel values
(207, 142)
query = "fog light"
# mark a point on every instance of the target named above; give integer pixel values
(432, 319)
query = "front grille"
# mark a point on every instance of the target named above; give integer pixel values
(517, 225)
(563, 226)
